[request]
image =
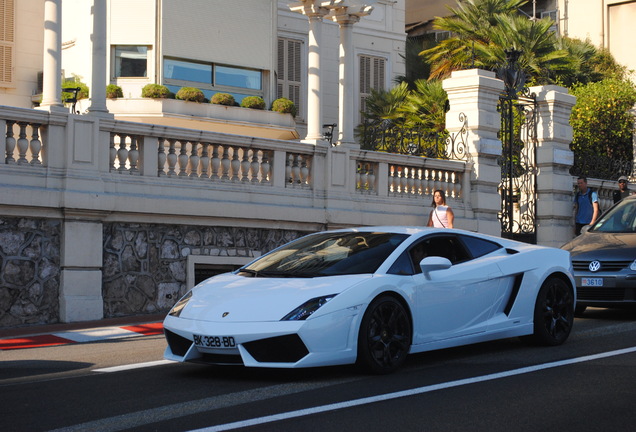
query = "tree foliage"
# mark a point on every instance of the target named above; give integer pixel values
(601, 118)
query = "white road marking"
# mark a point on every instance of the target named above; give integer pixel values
(97, 334)
(412, 392)
(133, 366)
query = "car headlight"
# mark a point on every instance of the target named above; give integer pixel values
(633, 266)
(178, 307)
(305, 310)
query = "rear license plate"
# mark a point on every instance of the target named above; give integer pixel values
(214, 341)
(592, 282)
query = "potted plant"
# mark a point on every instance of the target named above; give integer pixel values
(223, 99)
(114, 91)
(285, 106)
(155, 91)
(254, 102)
(190, 94)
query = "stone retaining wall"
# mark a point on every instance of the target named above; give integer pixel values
(29, 271)
(145, 265)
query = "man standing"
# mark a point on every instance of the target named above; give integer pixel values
(622, 191)
(585, 205)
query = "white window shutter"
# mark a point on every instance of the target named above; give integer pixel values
(7, 42)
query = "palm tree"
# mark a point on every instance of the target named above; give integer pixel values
(484, 29)
(426, 106)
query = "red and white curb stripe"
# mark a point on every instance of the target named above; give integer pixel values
(80, 336)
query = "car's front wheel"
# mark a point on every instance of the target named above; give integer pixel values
(384, 339)
(553, 312)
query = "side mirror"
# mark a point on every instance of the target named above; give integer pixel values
(433, 263)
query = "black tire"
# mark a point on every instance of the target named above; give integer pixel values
(553, 312)
(384, 339)
(579, 310)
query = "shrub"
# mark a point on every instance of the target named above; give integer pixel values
(255, 102)
(75, 83)
(223, 99)
(114, 91)
(190, 94)
(155, 91)
(601, 120)
(285, 106)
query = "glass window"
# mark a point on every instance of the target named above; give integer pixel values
(327, 254)
(479, 247)
(131, 61)
(238, 77)
(187, 71)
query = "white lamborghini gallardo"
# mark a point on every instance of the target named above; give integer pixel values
(371, 296)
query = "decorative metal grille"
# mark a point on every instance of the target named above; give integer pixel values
(391, 137)
(518, 159)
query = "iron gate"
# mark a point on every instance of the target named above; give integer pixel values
(518, 159)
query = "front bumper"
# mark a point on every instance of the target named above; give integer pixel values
(328, 340)
(614, 290)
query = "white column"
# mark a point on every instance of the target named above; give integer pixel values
(346, 83)
(346, 14)
(52, 60)
(315, 12)
(314, 93)
(99, 52)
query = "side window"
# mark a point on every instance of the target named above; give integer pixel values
(445, 246)
(402, 266)
(479, 247)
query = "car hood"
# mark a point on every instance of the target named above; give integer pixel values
(233, 298)
(595, 245)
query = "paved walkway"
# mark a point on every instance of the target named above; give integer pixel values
(90, 331)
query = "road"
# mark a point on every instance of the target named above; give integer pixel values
(588, 384)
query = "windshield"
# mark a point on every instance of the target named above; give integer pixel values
(619, 219)
(327, 254)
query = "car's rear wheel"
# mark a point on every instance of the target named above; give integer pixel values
(384, 339)
(553, 312)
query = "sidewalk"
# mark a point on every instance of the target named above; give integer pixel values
(87, 331)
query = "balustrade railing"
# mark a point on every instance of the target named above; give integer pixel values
(407, 180)
(26, 149)
(236, 161)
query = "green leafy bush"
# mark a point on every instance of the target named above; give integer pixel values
(190, 94)
(223, 99)
(254, 102)
(114, 91)
(155, 91)
(601, 119)
(285, 106)
(75, 83)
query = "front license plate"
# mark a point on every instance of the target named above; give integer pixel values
(214, 341)
(592, 282)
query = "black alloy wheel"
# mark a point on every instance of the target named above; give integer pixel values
(384, 339)
(554, 312)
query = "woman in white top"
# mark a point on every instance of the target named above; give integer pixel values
(441, 216)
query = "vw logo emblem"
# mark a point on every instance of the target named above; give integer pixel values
(595, 266)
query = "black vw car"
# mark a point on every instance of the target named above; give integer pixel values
(604, 259)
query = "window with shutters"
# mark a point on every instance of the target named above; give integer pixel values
(289, 71)
(372, 72)
(7, 42)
